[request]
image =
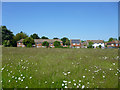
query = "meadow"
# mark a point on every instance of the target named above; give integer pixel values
(59, 68)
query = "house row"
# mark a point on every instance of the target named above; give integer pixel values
(74, 43)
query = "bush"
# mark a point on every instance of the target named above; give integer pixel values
(100, 46)
(29, 45)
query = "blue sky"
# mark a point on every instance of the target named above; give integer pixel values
(75, 20)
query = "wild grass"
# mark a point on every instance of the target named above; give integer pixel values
(59, 68)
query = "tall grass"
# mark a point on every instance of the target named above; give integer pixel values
(59, 68)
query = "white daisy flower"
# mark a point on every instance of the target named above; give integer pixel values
(83, 76)
(83, 86)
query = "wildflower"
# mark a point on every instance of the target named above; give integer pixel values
(110, 69)
(113, 63)
(16, 80)
(26, 87)
(21, 75)
(65, 86)
(83, 76)
(83, 86)
(8, 80)
(103, 76)
(79, 84)
(21, 60)
(2, 69)
(22, 80)
(10, 71)
(116, 74)
(79, 80)
(1, 81)
(74, 84)
(89, 70)
(19, 78)
(69, 82)
(62, 84)
(30, 77)
(52, 82)
(93, 77)
(45, 81)
(15, 77)
(64, 81)
(87, 82)
(65, 74)
(73, 80)
(68, 72)
(12, 76)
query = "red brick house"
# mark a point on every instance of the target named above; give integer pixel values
(113, 44)
(75, 43)
(20, 43)
(38, 42)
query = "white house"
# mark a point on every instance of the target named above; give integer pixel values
(96, 43)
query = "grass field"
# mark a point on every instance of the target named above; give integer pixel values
(59, 68)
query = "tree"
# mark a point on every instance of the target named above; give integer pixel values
(43, 37)
(56, 44)
(100, 46)
(35, 36)
(55, 38)
(20, 35)
(90, 45)
(66, 41)
(28, 42)
(45, 43)
(111, 39)
(6, 34)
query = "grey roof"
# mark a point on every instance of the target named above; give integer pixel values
(48, 40)
(75, 40)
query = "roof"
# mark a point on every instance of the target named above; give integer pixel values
(113, 42)
(42, 40)
(75, 40)
(21, 40)
(95, 41)
(48, 40)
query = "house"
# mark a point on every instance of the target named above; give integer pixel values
(38, 42)
(113, 44)
(96, 43)
(84, 44)
(20, 43)
(75, 43)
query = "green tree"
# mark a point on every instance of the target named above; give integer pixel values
(56, 44)
(90, 44)
(6, 43)
(43, 37)
(20, 36)
(35, 36)
(111, 39)
(45, 43)
(28, 42)
(55, 38)
(119, 38)
(100, 46)
(65, 41)
(6, 34)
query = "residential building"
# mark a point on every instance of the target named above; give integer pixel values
(96, 43)
(20, 43)
(75, 43)
(84, 44)
(38, 42)
(113, 44)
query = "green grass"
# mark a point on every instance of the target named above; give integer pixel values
(48, 68)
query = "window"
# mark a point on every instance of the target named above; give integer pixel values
(78, 44)
(116, 44)
(73, 43)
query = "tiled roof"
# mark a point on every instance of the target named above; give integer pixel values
(48, 40)
(95, 41)
(42, 40)
(75, 40)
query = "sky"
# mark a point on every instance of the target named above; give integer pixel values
(75, 20)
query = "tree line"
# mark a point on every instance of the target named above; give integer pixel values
(10, 40)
